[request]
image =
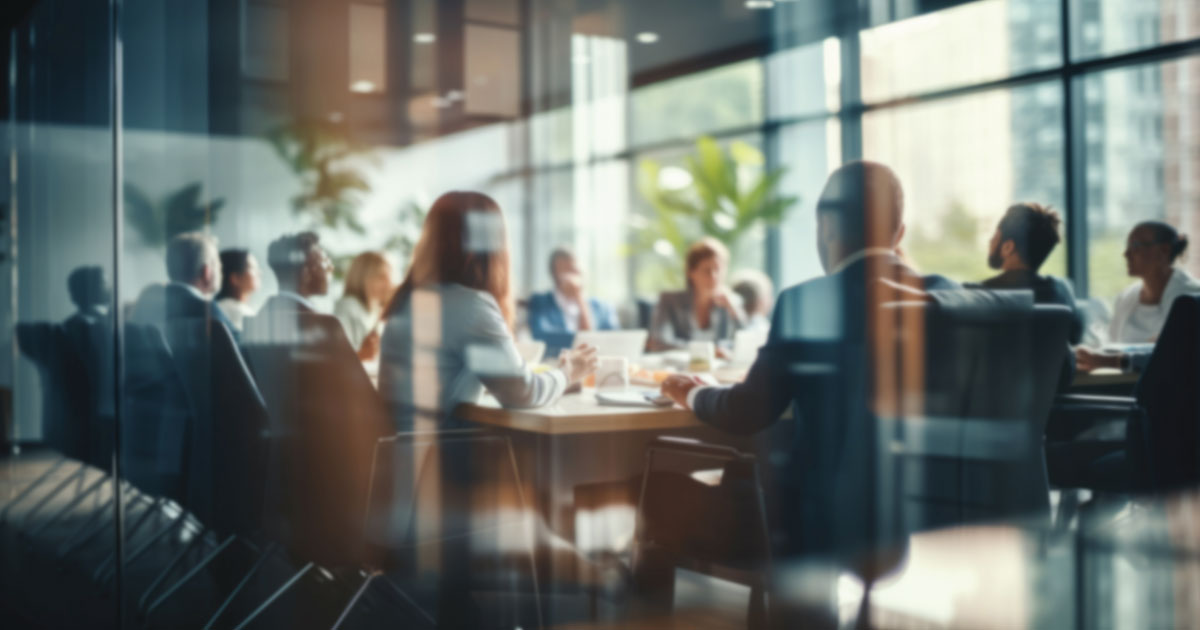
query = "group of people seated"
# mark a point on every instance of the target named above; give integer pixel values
(447, 332)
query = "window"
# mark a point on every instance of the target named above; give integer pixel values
(990, 153)
(1119, 26)
(975, 42)
(728, 97)
(1145, 165)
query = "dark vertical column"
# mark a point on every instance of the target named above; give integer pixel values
(451, 60)
(399, 71)
(116, 78)
(1074, 154)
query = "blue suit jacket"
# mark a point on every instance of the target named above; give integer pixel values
(547, 322)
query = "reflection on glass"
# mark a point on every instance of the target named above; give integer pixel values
(1140, 127)
(971, 43)
(994, 148)
(1108, 27)
(728, 97)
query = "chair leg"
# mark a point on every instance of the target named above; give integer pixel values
(31, 487)
(276, 595)
(101, 518)
(362, 588)
(173, 526)
(189, 575)
(110, 561)
(161, 577)
(262, 559)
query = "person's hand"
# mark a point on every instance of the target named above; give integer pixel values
(370, 346)
(677, 386)
(722, 353)
(1087, 360)
(578, 363)
(721, 299)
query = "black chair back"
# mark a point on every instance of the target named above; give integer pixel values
(1166, 445)
(325, 418)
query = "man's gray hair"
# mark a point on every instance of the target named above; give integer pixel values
(188, 253)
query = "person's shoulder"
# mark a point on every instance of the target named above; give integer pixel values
(672, 297)
(541, 300)
(938, 282)
(1190, 283)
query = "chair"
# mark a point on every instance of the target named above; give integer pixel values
(731, 548)
(1161, 445)
(455, 542)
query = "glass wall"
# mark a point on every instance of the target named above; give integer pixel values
(210, 208)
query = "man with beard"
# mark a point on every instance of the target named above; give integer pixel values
(1026, 235)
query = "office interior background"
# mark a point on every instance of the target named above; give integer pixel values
(128, 121)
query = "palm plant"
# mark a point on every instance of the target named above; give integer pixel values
(725, 195)
(319, 152)
(184, 210)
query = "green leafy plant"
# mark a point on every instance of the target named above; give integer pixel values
(184, 210)
(321, 153)
(725, 194)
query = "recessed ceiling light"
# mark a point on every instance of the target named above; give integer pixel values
(336, 117)
(362, 87)
(760, 4)
(647, 37)
(455, 95)
(424, 38)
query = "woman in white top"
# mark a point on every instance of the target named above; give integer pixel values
(239, 281)
(449, 326)
(369, 285)
(1141, 310)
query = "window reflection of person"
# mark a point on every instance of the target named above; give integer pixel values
(369, 286)
(239, 281)
(1151, 251)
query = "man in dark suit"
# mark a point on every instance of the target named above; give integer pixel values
(555, 316)
(822, 355)
(194, 270)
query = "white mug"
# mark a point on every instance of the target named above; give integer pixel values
(612, 373)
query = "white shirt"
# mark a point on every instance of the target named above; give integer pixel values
(570, 310)
(236, 310)
(355, 318)
(444, 346)
(1134, 322)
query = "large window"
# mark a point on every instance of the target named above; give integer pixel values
(962, 162)
(1142, 131)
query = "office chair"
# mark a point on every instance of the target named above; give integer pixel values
(737, 549)
(1161, 447)
(450, 496)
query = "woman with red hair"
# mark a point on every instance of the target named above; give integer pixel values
(449, 326)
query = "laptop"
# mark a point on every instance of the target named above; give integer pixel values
(614, 343)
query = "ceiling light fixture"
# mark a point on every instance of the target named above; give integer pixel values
(647, 37)
(424, 38)
(362, 87)
(760, 4)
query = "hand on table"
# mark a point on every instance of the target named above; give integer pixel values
(677, 386)
(1087, 359)
(578, 363)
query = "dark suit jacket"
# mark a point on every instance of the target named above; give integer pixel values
(1046, 290)
(547, 322)
(816, 360)
(326, 417)
(159, 303)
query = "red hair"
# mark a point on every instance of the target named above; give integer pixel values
(464, 241)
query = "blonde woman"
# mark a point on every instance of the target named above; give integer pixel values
(369, 286)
